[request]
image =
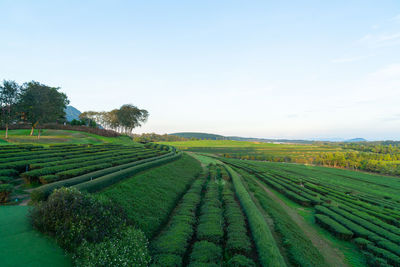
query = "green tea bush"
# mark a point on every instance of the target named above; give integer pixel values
(382, 253)
(8, 172)
(150, 196)
(5, 179)
(175, 238)
(237, 240)
(127, 248)
(337, 229)
(167, 260)
(240, 261)
(211, 221)
(43, 192)
(5, 191)
(368, 225)
(362, 243)
(206, 252)
(267, 248)
(71, 217)
(107, 180)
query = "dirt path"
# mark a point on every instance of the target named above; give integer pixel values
(333, 256)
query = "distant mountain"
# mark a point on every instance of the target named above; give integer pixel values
(190, 135)
(354, 140)
(72, 113)
(208, 136)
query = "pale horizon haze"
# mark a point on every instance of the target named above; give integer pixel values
(270, 69)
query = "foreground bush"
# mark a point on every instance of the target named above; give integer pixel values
(71, 217)
(129, 248)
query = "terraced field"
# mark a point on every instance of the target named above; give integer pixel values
(204, 210)
(30, 166)
(361, 208)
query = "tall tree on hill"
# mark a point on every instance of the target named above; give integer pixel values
(42, 104)
(90, 118)
(9, 94)
(111, 119)
(130, 117)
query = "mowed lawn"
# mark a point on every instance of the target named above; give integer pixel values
(21, 245)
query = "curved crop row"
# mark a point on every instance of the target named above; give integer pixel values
(267, 249)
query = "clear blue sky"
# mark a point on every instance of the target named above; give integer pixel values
(274, 69)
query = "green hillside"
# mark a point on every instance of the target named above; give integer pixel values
(208, 136)
(48, 136)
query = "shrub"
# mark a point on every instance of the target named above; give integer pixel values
(107, 180)
(128, 248)
(176, 237)
(237, 240)
(240, 261)
(150, 197)
(337, 229)
(382, 253)
(5, 191)
(49, 178)
(268, 251)
(166, 260)
(9, 172)
(211, 219)
(5, 179)
(362, 243)
(43, 192)
(71, 217)
(206, 252)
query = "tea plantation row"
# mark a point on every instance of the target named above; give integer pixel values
(351, 212)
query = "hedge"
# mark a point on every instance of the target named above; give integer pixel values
(5, 191)
(205, 252)
(9, 173)
(267, 248)
(109, 179)
(211, 219)
(175, 238)
(237, 240)
(240, 261)
(337, 229)
(388, 256)
(368, 225)
(44, 191)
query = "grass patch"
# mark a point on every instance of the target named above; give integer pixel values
(150, 196)
(21, 245)
(49, 136)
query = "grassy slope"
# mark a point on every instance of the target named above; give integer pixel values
(150, 196)
(350, 251)
(20, 245)
(61, 137)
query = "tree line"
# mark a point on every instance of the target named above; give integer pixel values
(122, 120)
(31, 103)
(36, 104)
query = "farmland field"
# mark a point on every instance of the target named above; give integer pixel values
(172, 208)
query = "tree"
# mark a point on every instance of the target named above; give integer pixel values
(111, 119)
(9, 94)
(42, 104)
(90, 118)
(130, 117)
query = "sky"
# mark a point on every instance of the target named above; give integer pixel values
(272, 69)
